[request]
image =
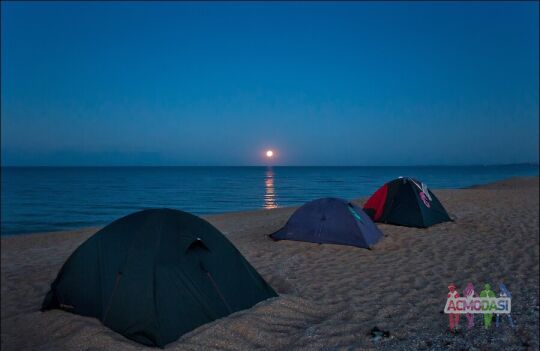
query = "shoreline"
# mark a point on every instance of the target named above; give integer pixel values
(358, 201)
(330, 296)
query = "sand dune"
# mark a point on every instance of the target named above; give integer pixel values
(331, 296)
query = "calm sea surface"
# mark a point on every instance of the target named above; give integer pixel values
(39, 199)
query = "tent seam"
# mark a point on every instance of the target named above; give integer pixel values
(417, 202)
(154, 284)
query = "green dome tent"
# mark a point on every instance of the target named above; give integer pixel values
(155, 275)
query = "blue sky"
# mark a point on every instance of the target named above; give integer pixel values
(179, 83)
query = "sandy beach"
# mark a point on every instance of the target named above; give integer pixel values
(330, 296)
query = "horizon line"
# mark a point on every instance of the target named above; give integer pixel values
(177, 166)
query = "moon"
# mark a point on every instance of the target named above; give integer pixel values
(269, 153)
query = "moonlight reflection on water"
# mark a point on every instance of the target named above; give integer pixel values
(270, 194)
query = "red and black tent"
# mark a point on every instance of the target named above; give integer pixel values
(407, 202)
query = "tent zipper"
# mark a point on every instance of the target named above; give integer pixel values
(209, 275)
(118, 276)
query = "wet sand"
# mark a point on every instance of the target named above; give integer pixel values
(331, 296)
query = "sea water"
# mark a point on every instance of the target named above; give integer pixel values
(41, 199)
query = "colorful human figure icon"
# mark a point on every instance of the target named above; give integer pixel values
(488, 317)
(504, 292)
(453, 317)
(468, 293)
